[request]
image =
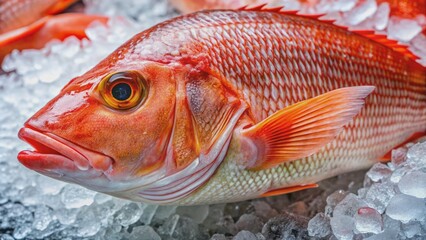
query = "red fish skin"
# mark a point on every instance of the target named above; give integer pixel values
(18, 13)
(54, 27)
(263, 60)
(406, 8)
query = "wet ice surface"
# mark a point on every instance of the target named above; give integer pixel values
(388, 204)
(387, 207)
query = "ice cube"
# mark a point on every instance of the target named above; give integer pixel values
(42, 217)
(245, 235)
(22, 231)
(368, 220)
(87, 224)
(66, 216)
(319, 226)
(144, 233)
(49, 186)
(73, 196)
(385, 235)
(6, 237)
(398, 156)
(413, 184)
(378, 172)
(412, 229)
(381, 17)
(403, 29)
(169, 226)
(349, 206)
(405, 208)
(379, 195)
(197, 213)
(416, 155)
(129, 214)
(148, 214)
(360, 12)
(342, 227)
(333, 199)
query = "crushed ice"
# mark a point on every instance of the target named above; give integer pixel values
(386, 207)
(391, 203)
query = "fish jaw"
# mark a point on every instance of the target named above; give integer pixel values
(51, 151)
(61, 159)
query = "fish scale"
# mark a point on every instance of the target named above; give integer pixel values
(301, 58)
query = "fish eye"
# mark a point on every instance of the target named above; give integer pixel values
(123, 90)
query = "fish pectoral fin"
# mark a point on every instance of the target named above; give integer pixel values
(281, 191)
(303, 128)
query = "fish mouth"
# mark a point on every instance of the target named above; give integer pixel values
(52, 153)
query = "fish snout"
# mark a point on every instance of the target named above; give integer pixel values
(52, 152)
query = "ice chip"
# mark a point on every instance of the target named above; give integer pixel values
(21, 231)
(129, 214)
(144, 233)
(360, 12)
(74, 196)
(197, 213)
(42, 217)
(379, 195)
(403, 29)
(378, 172)
(87, 223)
(148, 214)
(169, 226)
(416, 155)
(385, 235)
(319, 226)
(413, 184)
(381, 17)
(342, 227)
(368, 220)
(405, 208)
(349, 206)
(399, 156)
(245, 235)
(412, 229)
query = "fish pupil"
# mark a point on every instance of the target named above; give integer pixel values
(121, 91)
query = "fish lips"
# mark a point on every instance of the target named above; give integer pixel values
(52, 153)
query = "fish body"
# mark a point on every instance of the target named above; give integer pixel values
(188, 6)
(222, 106)
(36, 35)
(15, 14)
(30, 24)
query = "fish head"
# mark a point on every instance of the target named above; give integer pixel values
(106, 129)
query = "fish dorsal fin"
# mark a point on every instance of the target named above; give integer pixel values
(370, 34)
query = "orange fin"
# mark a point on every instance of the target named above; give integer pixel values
(286, 190)
(370, 34)
(388, 156)
(22, 32)
(303, 128)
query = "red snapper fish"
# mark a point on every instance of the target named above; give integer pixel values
(30, 24)
(223, 106)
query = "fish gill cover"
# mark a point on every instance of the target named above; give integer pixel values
(389, 204)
